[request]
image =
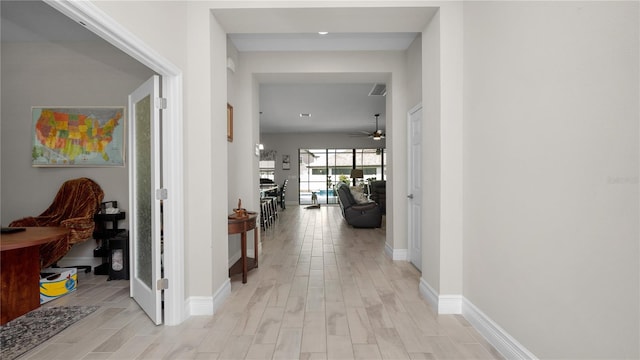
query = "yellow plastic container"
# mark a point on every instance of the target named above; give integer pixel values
(57, 282)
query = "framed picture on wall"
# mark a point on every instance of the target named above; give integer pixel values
(78, 136)
(229, 123)
(286, 164)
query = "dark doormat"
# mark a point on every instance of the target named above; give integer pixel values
(32, 329)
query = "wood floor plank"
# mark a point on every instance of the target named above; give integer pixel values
(314, 333)
(313, 356)
(360, 328)
(133, 347)
(294, 312)
(269, 327)
(156, 350)
(390, 344)
(260, 351)
(336, 318)
(288, 344)
(206, 356)
(323, 290)
(236, 348)
(280, 295)
(366, 352)
(339, 347)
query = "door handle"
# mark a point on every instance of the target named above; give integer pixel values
(410, 196)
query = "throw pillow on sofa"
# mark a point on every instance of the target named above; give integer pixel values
(358, 194)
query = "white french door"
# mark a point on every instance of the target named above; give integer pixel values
(415, 186)
(144, 178)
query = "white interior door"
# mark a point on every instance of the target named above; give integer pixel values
(415, 186)
(144, 178)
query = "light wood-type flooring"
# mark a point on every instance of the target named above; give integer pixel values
(323, 290)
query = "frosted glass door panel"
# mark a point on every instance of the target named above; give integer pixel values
(144, 179)
(143, 190)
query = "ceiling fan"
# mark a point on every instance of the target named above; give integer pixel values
(376, 135)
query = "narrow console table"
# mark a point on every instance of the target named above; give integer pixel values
(240, 225)
(20, 269)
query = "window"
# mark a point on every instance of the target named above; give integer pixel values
(322, 169)
(267, 164)
(370, 171)
(341, 171)
(267, 169)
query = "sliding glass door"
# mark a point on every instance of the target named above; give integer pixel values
(340, 163)
(372, 162)
(322, 169)
(313, 175)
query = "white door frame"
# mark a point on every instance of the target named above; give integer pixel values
(96, 21)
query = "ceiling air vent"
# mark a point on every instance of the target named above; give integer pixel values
(378, 90)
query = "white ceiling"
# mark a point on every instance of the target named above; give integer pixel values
(272, 20)
(339, 108)
(328, 42)
(336, 103)
(35, 21)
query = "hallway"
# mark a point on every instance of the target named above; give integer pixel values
(323, 291)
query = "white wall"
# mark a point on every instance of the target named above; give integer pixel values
(414, 68)
(215, 100)
(389, 66)
(234, 250)
(550, 160)
(71, 74)
(442, 96)
(431, 154)
(551, 174)
(451, 147)
(186, 34)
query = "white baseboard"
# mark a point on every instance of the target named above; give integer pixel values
(429, 293)
(199, 305)
(443, 304)
(388, 250)
(509, 347)
(400, 254)
(395, 254)
(221, 295)
(207, 305)
(450, 304)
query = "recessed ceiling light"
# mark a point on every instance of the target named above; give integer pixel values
(305, 115)
(323, 32)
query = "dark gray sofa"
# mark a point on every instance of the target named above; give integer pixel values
(366, 215)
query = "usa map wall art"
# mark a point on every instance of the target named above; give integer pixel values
(78, 136)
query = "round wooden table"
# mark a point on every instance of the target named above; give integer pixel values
(20, 269)
(240, 225)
